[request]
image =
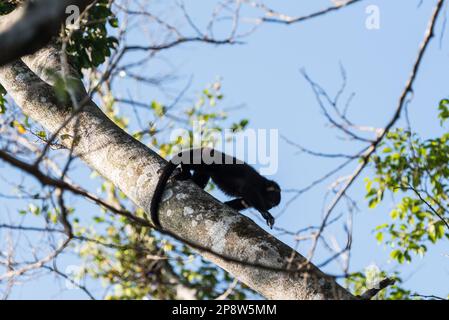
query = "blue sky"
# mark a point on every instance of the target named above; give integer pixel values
(264, 74)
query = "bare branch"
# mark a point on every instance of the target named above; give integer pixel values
(402, 100)
(37, 265)
(271, 16)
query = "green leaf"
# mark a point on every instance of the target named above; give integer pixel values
(113, 22)
(158, 108)
(431, 232)
(397, 255)
(379, 236)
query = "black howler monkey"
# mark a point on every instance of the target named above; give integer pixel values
(234, 177)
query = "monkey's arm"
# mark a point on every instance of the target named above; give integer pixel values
(237, 204)
(257, 203)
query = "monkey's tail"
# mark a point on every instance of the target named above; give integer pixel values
(159, 191)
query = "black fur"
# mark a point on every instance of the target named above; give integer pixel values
(234, 177)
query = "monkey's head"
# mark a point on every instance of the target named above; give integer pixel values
(272, 194)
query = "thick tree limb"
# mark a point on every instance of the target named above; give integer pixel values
(31, 27)
(186, 211)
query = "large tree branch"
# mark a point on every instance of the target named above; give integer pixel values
(31, 27)
(186, 211)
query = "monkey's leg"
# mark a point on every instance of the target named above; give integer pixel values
(237, 204)
(201, 179)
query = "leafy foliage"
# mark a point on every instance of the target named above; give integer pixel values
(416, 171)
(90, 45)
(358, 284)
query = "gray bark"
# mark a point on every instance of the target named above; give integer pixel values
(186, 210)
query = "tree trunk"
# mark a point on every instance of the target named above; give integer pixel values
(186, 210)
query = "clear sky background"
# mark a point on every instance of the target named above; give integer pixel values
(264, 74)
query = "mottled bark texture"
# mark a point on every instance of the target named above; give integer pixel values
(186, 210)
